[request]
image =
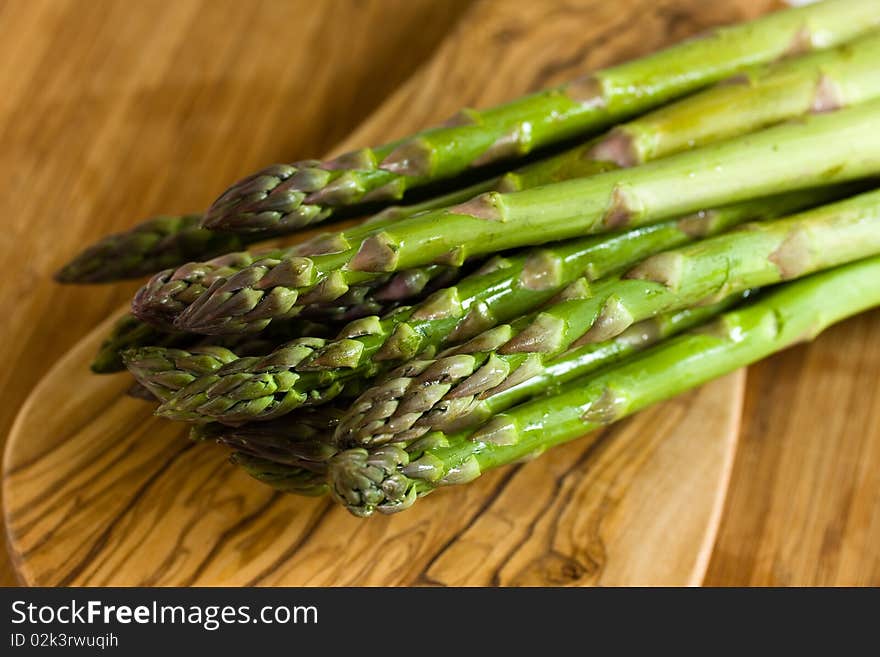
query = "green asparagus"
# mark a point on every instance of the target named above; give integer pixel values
(426, 394)
(302, 439)
(389, 479)
(289, 196)
(129, 332)
(311, 371)
(759, 97)
(582, 360)
(283, 478)
(822, 149)
(164, 371)
(153, 245)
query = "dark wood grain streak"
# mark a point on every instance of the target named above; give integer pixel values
(136, 430)
(97, 543)
(230, 534)
(313, 525)
(560, 490)
(496, 492)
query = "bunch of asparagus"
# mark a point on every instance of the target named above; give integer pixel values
(720, 204)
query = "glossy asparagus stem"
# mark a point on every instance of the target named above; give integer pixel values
(301, 441)
(170, 292)
(757, 98)
(289, 196)
(309, 372)
(833, 147)
(425, 394)
(389, 479)
(580, 361)
(304, 438)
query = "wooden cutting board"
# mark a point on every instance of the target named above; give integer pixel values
(97, 491)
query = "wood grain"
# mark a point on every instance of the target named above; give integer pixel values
(108, 105)
(112, 111)
(804, 508)
(113, 508)
(123, 498)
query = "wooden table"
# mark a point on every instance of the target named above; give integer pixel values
(108, 105)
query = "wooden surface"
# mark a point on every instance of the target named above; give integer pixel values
(804, 506)
(121, 497)
(108, 105)
(85, 492)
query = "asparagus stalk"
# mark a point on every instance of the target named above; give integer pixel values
(311, 371)
(289, 196)
(164, 371)
(286, 450)
(129, 332)
(173, 240)
(779, 159)
(153, 245)
(170, 291)
(580, 361)
(761, 97)
(426, 394)
(390, 478)
(301, 439)
(283, 478)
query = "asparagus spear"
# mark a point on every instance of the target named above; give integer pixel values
(390, 478)
(301, 439)
(311, 371)
(289, 196)
(286, 479)
(153, 245)
(292, 454)
(779, 159)
(426, 394)
(164, 371)
(170, 241)
(170, 291)
(759, 97)
(129, 332)
(580, 361)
